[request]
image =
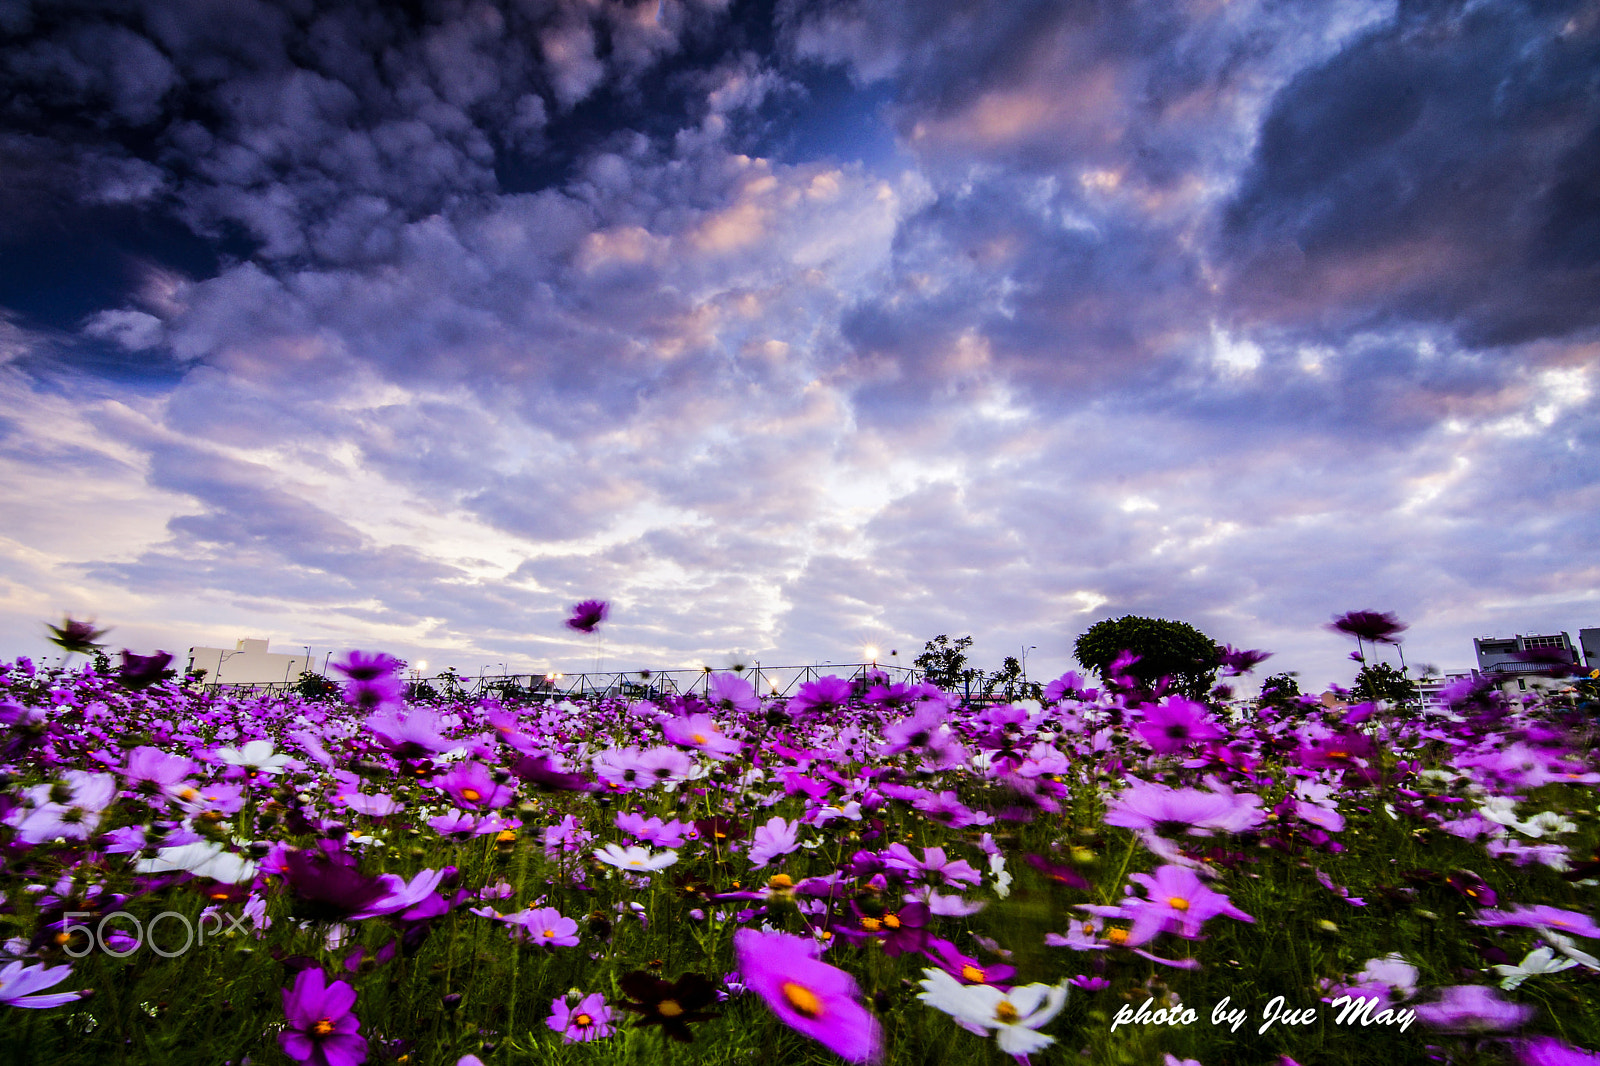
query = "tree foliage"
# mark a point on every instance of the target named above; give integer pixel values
(944, 662)
(1380, 681)
(1174, 650)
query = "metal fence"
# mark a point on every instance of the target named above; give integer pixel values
(768, 681)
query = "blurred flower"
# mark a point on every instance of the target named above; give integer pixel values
(20, 984)
(587, 615)
(589, 1020)
(673, 1005)
(1191, 810)
(1370, 626)
(1549, 1051)
(730, 692)
(776, 838)
(1538, 961)
(322, 1029)
(1473, 1009)
(635, 859)
(472, 787)
(807, 994)
(1176, 722)
(1012, 1016)
(73, 636)
(142, 671)
(256, 757)
(202, 859)
(71, 809)
(1540, 917)
(1235, 661)
(544, 927)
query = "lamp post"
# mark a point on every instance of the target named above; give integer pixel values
(1025, 651)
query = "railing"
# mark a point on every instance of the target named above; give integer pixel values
(768, 682)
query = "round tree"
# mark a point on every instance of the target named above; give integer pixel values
(1174, 650)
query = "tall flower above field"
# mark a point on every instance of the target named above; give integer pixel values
(807, 994)
(76, 637)
(587, 615)
(322, 1029)
(142, 671)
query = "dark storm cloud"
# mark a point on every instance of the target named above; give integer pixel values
(1441, 169)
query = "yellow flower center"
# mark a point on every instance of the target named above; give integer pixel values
(974, 975)
(699, 738)
(470, 795)
(323, 1027)
(871, 925)
(583, 1021)
(780, 881)
(1177, 903)
(549, 933)
(669, 1008)
(892, 921)
(1005, 1012)
(187, 793)
(802, 999)
(505, 836)
(1117, 936)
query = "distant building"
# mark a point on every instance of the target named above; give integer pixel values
(1589, 641)
(1428, 688)
(249, 663)
(1502, 657)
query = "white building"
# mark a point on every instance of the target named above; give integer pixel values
(249, 663)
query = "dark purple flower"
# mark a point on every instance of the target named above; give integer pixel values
(1371, 626)
(1235, 661)
(322, 1028)
(587, 615)
(142, 671)
(75, 636)
(673, 1005)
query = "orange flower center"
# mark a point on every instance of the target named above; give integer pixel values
(1177, 903)
(802, 999)
(583, 1021)
(1117, 936)
(974, 975)
(669, 1008)
(892, 921)
(323, 1027)
(470, 795)
(1005, 1012)
(871, 925)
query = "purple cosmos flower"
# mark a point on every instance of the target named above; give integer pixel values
(472, 787)
(776, 838)
(821, 697)
(1235, 661)
(1473, 1009)
(1177, 902)
(1191, 810)
(729, 692)
(19, 986)
(933, 864)
(1176, 722)
(152, 771)
(807, 994)
(322, 1030)
(412, 736)
(1541, 917)
(652, 830)
(701, 732)
(965, 968)
(589, 1020)
(587, 615)
(70, 810)
(1549, 1051)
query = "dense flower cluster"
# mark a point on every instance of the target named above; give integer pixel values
(830, 862)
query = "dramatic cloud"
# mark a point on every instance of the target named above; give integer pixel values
(793, 328)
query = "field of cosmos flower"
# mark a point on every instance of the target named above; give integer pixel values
(864, 871)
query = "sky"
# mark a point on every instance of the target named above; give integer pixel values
(790, 328)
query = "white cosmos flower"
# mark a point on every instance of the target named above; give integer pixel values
(635, 858)
(256, 755)
(1541, 960)
(203, 859)
(1011, 1016)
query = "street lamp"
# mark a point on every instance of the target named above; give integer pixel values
(1025, 651)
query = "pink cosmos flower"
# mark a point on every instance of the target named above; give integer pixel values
(1549, 1051)
(732, 693)
(472, 787)
(807, 994)
(1190, 810)
(543, 926)
(322, 1028)
(700, 731)
(1522, 916)
(1177, 902)
(589, 1020)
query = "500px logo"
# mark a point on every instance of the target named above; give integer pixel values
(97, 938)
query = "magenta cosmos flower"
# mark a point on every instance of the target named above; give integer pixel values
(809, 996)
(589, 1020)
(1191, 810)
(20, 986)
(587, 616)
(322, 1030)
(1176, 722)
